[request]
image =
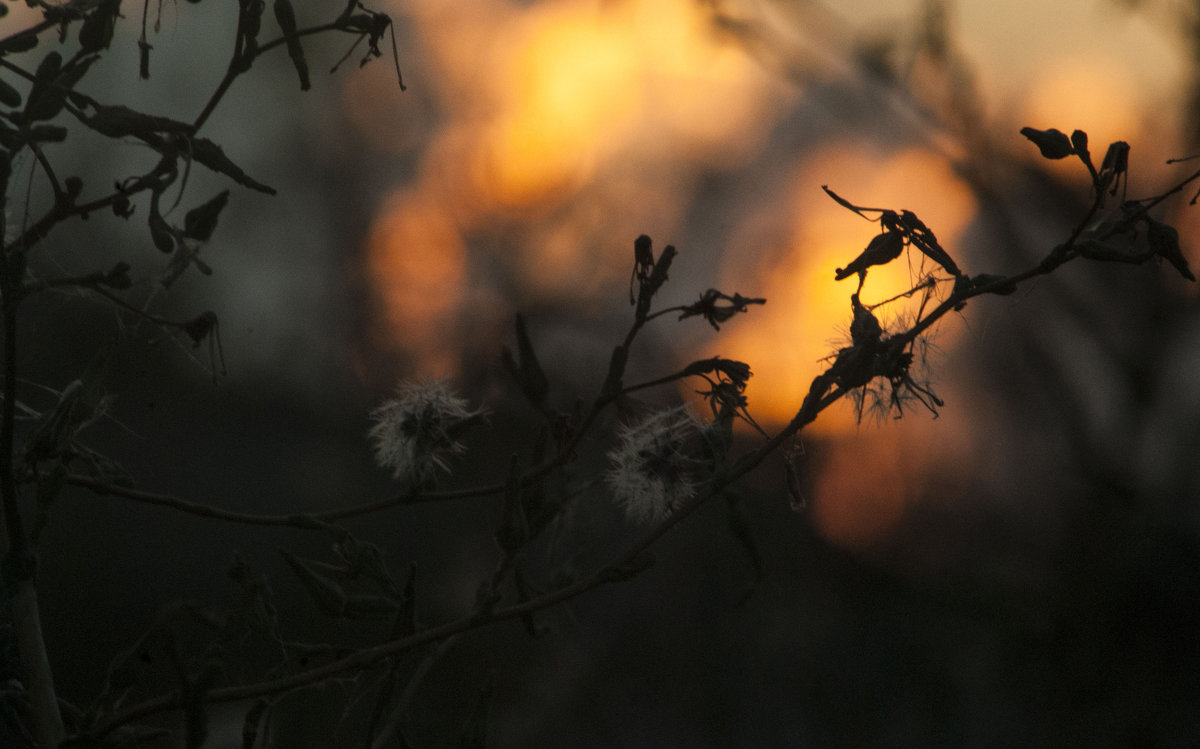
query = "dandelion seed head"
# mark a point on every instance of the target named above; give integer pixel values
(415, 433)
(655, 467)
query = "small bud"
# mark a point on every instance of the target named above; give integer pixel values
(200, 326)
(72, 186)
(1164, 240)
(1053, 143)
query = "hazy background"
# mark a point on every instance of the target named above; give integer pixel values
(1021, 570)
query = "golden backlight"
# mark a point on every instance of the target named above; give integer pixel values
(1100, 96)
(808, 313)
(567, 98)
(563, 126)
(870, 475)
(417, 261)
(545, 136)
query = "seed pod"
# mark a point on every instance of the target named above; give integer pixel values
(1053, 143)
(1164, 240)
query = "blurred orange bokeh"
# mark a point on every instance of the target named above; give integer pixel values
(787, 340)
(568, 123)
(417, 262)
(871, 478)
(551, 128)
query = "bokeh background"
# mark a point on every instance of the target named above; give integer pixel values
(1022, 570)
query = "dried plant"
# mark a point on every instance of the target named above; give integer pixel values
(663, 466)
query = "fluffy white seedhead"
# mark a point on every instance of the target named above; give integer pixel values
(655, 467)
(416, 432)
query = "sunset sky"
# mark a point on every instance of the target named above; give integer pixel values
(1016, 565)
(557, 130)
(537, 140)
(546, 136)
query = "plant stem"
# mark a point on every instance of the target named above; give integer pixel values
(20, 561)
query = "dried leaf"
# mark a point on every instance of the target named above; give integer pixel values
(160, 231)
(97, 30)
(213, 156)
(52, 84)
(1164, 240)
(119, 121)
(286, 17)
(201, 221)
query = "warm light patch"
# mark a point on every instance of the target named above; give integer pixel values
(1096, 95)
(870, 479)
(806, 308)
(568, 127)
(703, 98)
(417, 262)
(863, 490)
(568, 90)
(575, 87)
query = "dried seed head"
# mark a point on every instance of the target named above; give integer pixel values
(416, 432)
(657, 465)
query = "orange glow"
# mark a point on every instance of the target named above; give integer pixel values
(545, 136)
(870, 479)
(1086, 93)
(570, 91)
(417, 262)
(567, 124)
(574, 89)
(806, 308)
(863, 490)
